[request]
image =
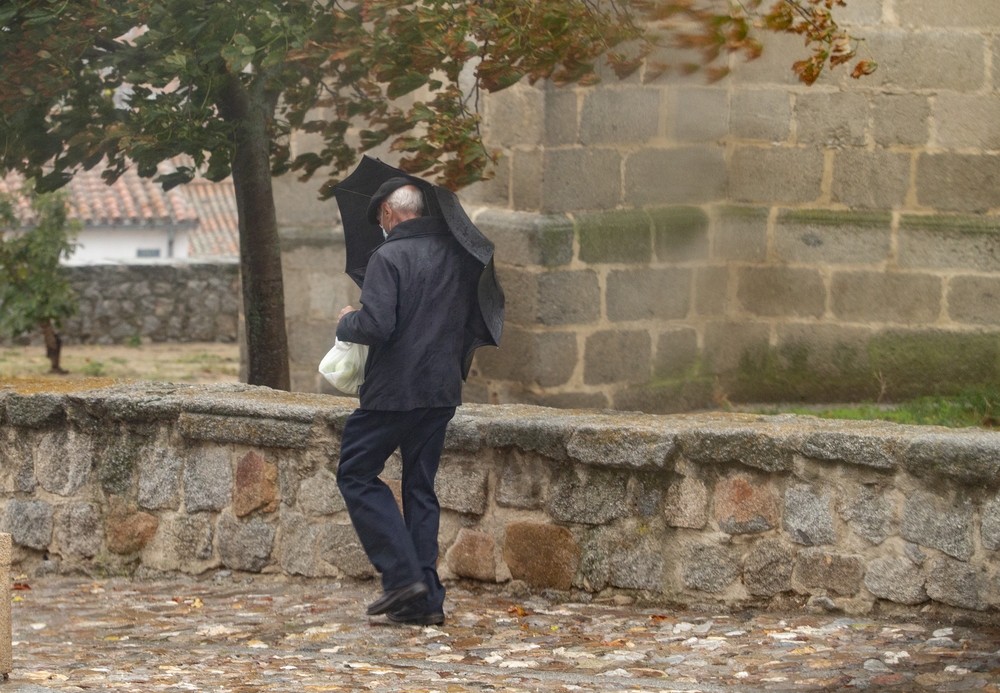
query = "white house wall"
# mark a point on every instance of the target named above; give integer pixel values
(96, 246)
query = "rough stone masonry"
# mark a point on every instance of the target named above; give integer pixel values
(184, 302)
(664, 242)
(734, 509)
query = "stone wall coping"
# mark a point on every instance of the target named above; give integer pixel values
(259, 416)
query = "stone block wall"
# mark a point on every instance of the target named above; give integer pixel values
(723, 508)
(316, 288)
(190, 302)
(672, 308)
(668, 244)
(920, 134)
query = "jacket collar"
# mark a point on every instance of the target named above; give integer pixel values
(418, 226)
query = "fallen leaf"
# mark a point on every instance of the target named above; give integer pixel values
(20, 586)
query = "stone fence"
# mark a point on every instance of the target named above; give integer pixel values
(183, 302)
(728, 509)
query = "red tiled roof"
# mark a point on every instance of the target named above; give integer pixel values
(218, 230)
(208, 209)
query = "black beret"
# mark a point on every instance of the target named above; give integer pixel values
(384, 190)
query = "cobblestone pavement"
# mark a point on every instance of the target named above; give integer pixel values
(228, 633)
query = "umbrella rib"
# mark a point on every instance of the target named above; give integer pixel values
(354, 192)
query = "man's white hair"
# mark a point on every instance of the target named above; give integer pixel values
(408, 200)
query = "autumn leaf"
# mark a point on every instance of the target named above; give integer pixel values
(863, 68)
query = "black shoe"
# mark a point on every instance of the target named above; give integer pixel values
(393, 600)
(416, 618)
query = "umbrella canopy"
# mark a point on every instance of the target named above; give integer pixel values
(361, 237)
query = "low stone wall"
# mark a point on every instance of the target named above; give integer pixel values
(725, 508)
(188, 302)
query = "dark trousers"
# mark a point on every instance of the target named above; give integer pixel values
(403, 548)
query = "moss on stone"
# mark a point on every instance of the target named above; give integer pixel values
(892, 366)
(679, 230)
(555, 240)
(683, 366)
(826, 217)
(678, 221)
(936, 362)
(670, 394)
(787, 373)
(943, 223)
(616, 236)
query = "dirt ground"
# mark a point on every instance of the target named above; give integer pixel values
(193, 362)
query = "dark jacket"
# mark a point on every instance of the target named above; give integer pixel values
(420, 310)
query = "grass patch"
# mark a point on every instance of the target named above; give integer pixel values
(94, 369)
(974, 406)
(205, 359)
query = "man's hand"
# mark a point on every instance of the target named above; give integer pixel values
(345, 311)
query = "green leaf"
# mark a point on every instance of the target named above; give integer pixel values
(273, 58)
(179, 177)
(405, 84)
(371, 138)
(177, 60)
(234, 58)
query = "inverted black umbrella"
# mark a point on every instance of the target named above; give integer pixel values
(361, 237)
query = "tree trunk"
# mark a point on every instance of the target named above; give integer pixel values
(53, 346)
(260, 248)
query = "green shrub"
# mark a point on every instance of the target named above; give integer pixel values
(93, 368)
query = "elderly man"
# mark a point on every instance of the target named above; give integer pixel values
(419, 299)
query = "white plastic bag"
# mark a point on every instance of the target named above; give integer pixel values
(344, 366)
